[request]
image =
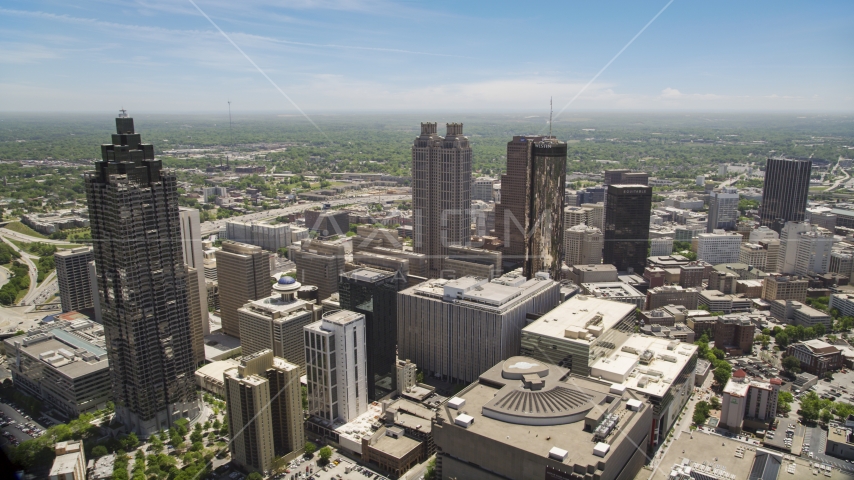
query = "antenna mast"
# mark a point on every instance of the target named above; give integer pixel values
(230, 129)
(551, 110)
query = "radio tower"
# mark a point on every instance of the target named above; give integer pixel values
(551, 110)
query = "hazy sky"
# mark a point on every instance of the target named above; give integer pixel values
(356, 55)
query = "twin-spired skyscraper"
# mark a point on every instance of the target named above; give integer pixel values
(441, 192)
(142, 283)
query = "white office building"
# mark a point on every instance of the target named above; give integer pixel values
(763, 233)
(660, 246)
(583, 245)
(336, 366)
(718, 247)
(191, 245)
(267, 236)
(804, 249)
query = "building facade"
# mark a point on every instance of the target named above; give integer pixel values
(72, 275)
(530, 218)
(441, 192)
(455, 329)
(816, 357)
(718, 247)
(243, 274)
(264, 406)
(268, 237)
(142, 283)
(784, 193)
(584, 245)
(723, 210)
(336, 366)
(627, 226)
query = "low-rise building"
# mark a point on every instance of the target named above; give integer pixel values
(676, 332)
(731, 333)
(753, 254)
(70, 462)
(209, 377)
(749, 288)
(716, 301)
(617, 291)
(844, 302)
(65, 366)
(816, 357)
(525, 419)
(784, 287)
(672, 295)
(797, 313)
(593, 273)
(840, 443)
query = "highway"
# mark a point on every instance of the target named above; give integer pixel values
(213, 226)
(25, 257)
(26, 238)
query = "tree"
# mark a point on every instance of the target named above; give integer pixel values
(825, 416)
(130, 442)
(701, 413)
(325, 454)
(216, 424)
(196, 436)
(791, 364)
(715, 403)
(156, 444)
(99, 451)
(722, 374)
(254, 476)
(810, 406)
(310, 448)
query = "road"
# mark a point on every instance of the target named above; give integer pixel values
(48, 288)
(26, 258)
(26, 238)
(838, 182)
(213, 226)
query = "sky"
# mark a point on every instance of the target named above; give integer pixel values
(293, 56)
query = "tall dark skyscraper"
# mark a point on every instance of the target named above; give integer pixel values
(784, 194)
(441, 193)
(142, 283)
(529, 218)
(627, 212)
(373, 293)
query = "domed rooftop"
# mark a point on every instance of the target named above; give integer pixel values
(287, 283)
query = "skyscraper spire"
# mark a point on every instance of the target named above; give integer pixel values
(551, 111)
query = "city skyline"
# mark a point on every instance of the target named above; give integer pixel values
(377, 55)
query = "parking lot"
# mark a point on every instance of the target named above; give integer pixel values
(16, 426)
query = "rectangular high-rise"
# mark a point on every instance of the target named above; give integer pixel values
(243, 273)
(627, 226)
(72, 274)
(723, 210)
(336, 366)
(142, 283)
(194, 257)
(264, 406)
(319, 262)
(441, 192)
(530, 218)
(373, 293)
(784, 193)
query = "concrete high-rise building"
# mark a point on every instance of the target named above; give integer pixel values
(482, 189)
(784, 193)
(72, 274)
(573, 216)
(804, 249)
(772, 260)
(264, 406)
(660, 246)
(596, 215)
(437, 318)
(530, 217)
(763, 233)
(194, 257)
(196, 333)
(267, 236)
(276, 322)
(718, 247)
(583, 245)
(749, 402)
(441, 192)
(373, 293)
(627, 226)
(784, 287)
(754, 255)
(723, 209)
(243, 274)
(336, 364)
(319, 262)
(142, 283)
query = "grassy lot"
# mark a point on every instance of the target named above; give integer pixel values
(21, 294)
(23, 229)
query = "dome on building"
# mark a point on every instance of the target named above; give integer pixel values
(286, 280)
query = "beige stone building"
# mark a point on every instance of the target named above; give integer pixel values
(243, 273)
(264, 405)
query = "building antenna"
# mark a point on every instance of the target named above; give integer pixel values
(230, 128)
(551, 111)
(123, 113)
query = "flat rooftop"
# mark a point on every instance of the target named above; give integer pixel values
(216, 369)
(579, 312)
(703, 448)
(396, 447)
(63, 356)
(611, 290)
(219, 346)
(495, 397)
(274, 304)
(624, 365)
(499, 294)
